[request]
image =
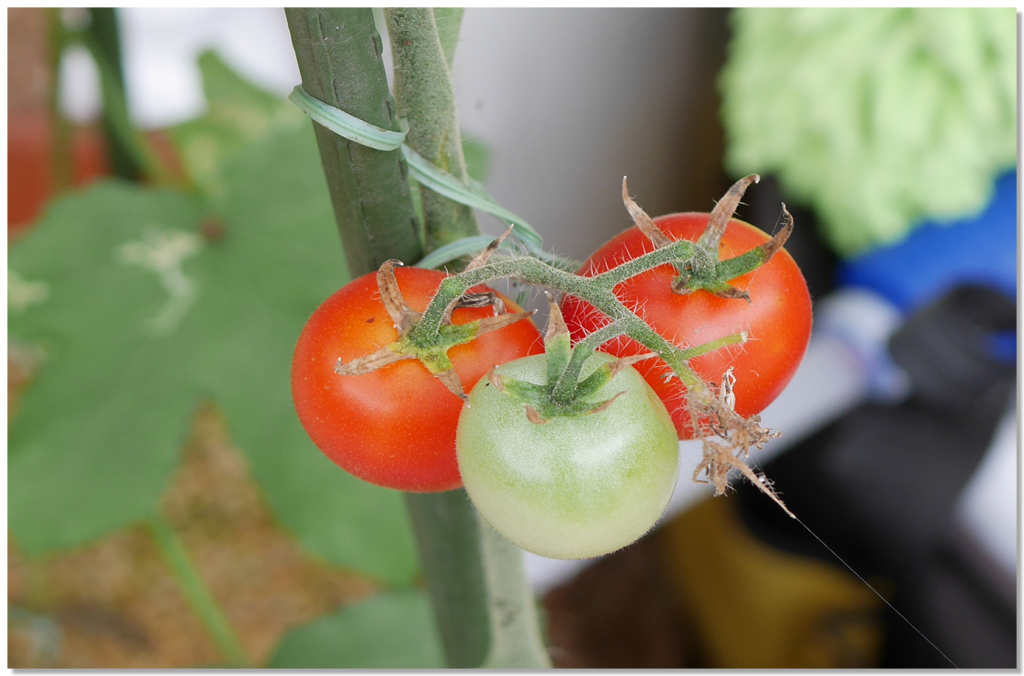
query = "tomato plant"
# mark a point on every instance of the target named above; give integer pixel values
(777, 320)
(394, 426)
(571, 486)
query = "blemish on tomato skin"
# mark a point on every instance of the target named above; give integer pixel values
(370, 320)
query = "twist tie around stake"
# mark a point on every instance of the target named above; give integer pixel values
(474, 195)
(348, 126)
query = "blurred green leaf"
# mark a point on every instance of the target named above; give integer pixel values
(393, 630)
(140, 317)
(238, 114)
(478, 158)
(286, 261)
(99, 429)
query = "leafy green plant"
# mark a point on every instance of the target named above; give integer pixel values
(141, 302)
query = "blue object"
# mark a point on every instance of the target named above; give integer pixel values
(934, 258)
(1003, 346)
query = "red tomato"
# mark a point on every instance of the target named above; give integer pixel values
(777, 321)
(394, 427)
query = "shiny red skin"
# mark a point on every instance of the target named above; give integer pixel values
(394, 427)
(777, 321)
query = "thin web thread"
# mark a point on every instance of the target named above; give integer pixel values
(866, 583)
(850, 568)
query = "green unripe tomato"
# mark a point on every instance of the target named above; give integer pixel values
(570, 488)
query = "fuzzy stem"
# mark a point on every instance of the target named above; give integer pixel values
(711, 346)
(483, 604)
(565, 386)
(673, 253)
(426, 99)
(477, 584)
(596, 291)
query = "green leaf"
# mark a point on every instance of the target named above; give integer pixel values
(99, 429)
(393, 630)
(478, 158)
(238, 114)
(285, 261)
(448, 21)
(140, 318)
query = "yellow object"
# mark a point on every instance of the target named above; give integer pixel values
(754, 606)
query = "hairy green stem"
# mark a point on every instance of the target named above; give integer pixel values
(565, 386)
(477, 585)
(173, 551)
(680, 250)
(475, 578)
(597, 291)
(711, 346)
(426, 99)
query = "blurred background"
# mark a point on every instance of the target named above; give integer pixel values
(164, 514)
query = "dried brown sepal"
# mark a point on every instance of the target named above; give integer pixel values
(717, 462)
(769, 248)
(615, 367)
(494, 379)
(403, 316)
(533, 416)
(452, 382)
(644, 222)
(603, 406)
(488, 324)
(726, 396)
(371, 362)
(556, 323)
(723, 211)
(485, 255)
(731, 292)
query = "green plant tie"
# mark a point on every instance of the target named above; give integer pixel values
(473, 195)
(348, 126)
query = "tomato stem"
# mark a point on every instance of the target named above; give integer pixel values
(711, 346)
(426, 99)
(598, 291)
(677, 252)
(565, 388)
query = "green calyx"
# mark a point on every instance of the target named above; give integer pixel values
(541, 403)
(435, 355)
(715, 277)
(564, 394)
(430, 347)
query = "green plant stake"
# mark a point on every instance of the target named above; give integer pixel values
(483, 604)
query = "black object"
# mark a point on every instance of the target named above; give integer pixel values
(880, 487)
